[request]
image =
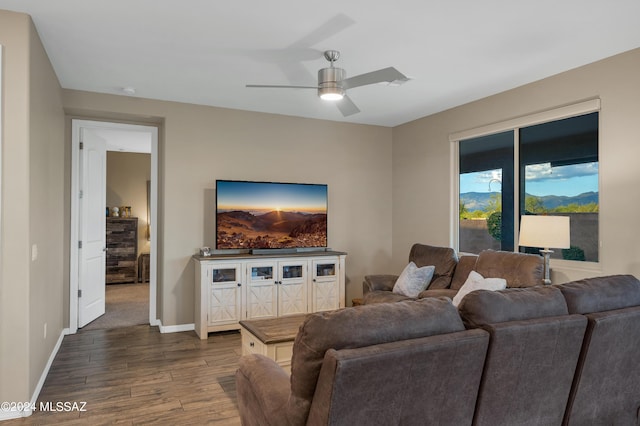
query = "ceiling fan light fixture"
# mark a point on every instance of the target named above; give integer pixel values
(331, 93)
(330, 83)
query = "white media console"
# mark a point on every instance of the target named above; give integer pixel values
(234, 287)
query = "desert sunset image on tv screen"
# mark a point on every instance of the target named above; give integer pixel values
(263, 215)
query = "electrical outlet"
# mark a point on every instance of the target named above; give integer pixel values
(34, 252)
(45, 330)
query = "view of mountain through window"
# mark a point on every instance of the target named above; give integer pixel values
(558, 175)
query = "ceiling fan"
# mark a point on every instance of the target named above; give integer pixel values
(332, 84)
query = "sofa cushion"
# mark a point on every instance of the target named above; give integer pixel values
(519, 269)
(438, 292)
(601, 294)
(383, 296)
(358, 327)
(475, 282)
(413, 280)
(512, 304)
(444, 259)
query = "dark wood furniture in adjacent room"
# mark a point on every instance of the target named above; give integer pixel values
(143, 267)
(122, 250)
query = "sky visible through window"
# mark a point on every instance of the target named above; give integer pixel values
(541, 180)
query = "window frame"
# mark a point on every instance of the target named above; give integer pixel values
(514, 125)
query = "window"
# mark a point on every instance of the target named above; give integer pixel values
(550, 167)
(486, 211)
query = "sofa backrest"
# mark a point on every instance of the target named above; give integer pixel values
(601, 294)
(425, 381)
(355, 328)
(533, 352)
(444, 259)
(606, 387)
(482, 307)
(466, 264)
(519, 269)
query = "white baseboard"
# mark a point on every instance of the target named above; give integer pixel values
(6, 415)
(175, 328)
(9, 415)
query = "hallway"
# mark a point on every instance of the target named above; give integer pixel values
(126, 305)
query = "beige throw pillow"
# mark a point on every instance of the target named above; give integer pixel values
(474, 282)
(413, 280)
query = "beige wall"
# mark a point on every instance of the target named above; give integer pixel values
(46, 208)
(422, 163)
(14, 312)
(127, 176)
(32, 167)
(201, 144)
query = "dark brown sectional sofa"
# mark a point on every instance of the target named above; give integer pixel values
(451, 272)
(541, 355)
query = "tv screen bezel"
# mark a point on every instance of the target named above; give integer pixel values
(304, 248)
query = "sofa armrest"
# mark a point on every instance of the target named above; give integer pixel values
(378, 282)
(263, 390)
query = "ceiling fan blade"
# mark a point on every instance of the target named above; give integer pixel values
(295, 72)
(347, 107)
(328, 29)
(386, 74)
(290, 59)
(275, 86)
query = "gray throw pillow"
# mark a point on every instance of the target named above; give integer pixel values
(414, 280)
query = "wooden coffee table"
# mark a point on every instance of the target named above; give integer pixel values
(271, 337)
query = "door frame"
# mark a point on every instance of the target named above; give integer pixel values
(76, 124)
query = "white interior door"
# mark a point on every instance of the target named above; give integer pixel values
(93, 175)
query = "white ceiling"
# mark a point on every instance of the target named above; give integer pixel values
(204, 51)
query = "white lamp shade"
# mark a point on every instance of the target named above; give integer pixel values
(545, 231)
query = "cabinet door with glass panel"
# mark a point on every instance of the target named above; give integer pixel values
(225, 294)
(292, 287)
(276, 289)
(325, 289)
(262, 293)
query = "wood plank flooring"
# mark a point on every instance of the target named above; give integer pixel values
(136, 375)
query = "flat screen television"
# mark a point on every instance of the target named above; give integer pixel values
(270, 215)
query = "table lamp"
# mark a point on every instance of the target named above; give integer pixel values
(545, 232)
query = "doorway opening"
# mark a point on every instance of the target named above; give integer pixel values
(129, 199)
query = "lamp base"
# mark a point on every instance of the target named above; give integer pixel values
(546, 255)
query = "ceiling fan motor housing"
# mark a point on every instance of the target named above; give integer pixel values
(330, 81)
